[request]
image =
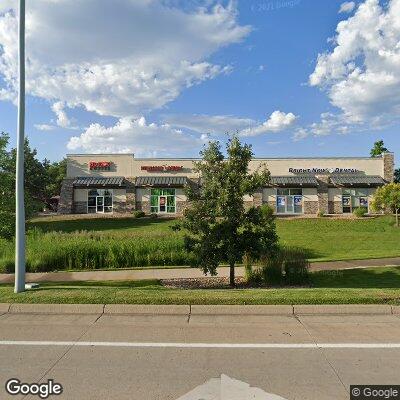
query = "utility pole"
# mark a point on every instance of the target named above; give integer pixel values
(19, 184)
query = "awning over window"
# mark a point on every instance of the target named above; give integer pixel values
(358, 180)
(294, 181)
(98, 181)
(161, 181)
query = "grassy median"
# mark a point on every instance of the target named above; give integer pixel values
(357, 286)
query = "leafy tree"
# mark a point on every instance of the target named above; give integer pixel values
(397, 175)
(378, 149)
(7, 199)
(219, 228)
(387, 197)
(56, 172)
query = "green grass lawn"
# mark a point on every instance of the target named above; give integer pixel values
(366, 286)
(325, 239)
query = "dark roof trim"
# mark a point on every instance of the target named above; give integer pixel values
(357, 180)
(294, 181)
(161, 181)
(98, 181)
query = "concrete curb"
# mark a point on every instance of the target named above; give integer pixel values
(343, 309)
(241, 310)
(144, 309)
(56, 308)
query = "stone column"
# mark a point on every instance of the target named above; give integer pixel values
(388, 166)
(66, 203)
(130, 195)
(258, 198)
(322, 192)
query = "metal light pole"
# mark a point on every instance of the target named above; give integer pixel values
(19, 184)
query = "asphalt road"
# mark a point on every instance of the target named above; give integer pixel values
(125, 356)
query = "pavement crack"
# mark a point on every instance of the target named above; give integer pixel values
(190, 313)
(323, 354)
(69, 348)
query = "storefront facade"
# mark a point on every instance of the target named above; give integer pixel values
(122, 183)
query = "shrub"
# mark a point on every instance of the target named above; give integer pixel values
(139, 214)
(320, 214)
(153, 215)
(360, 212)
(289, 266)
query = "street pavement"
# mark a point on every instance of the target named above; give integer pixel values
(182, 272)
(167, 355)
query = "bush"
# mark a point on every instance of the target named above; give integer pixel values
(289, 266)
(360, 212)
(139, 214)
(320, 214)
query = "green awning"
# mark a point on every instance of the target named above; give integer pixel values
(161, 181)
(294, 181)
(357, 180)
(98, 181)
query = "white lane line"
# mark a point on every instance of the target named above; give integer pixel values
(206, 345)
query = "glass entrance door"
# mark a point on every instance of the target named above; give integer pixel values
(100, 204)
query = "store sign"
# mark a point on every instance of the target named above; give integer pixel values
(100, 165)
(323, 170)
(161, 168)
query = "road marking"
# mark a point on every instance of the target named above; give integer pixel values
(206, 345)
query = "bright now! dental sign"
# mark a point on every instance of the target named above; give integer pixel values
(322, 170)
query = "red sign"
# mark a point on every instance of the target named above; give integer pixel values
(161, 168)
(100, 165)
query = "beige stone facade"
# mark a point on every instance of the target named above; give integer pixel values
(121, 183)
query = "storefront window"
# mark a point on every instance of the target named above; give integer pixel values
(100, 201)
(354, 198)
(163, 201)
(289, 201)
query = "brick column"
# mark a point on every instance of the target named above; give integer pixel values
(258, 199)
(322, 192)
(388, 166)
(130, 195)
(66, 203)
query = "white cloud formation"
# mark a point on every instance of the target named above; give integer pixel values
(136, 136)
(220, 124)
(44, 127)
(362, 73)
(120, 58)
(347, 7)
(278, 121)
(62, 118)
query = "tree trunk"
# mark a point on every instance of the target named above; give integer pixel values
(232, 275)
(397, 217)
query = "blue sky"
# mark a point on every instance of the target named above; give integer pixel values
(163, 76)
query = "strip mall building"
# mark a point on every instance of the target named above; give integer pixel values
(121, 183)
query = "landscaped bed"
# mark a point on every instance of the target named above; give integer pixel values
(57, 243)
(362, 286)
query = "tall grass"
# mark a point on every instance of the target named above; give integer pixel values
(96, 250)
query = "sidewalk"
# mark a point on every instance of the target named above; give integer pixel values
(182, 272)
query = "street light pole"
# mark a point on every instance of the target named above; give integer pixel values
(19, 184)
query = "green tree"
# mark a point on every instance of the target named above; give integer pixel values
(7, 199)
(397, 175)
(56, 172)
(378, 149)
(218, 226)
(387, 198)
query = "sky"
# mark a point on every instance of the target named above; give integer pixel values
(160, 78)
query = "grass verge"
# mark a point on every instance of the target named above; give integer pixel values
(366, 286)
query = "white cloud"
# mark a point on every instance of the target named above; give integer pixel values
(115, 58)
(44, 127)
(138, 137)
(62, 118)
(361, 75)
(219, 124)
(278, 121)
(347, 7)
